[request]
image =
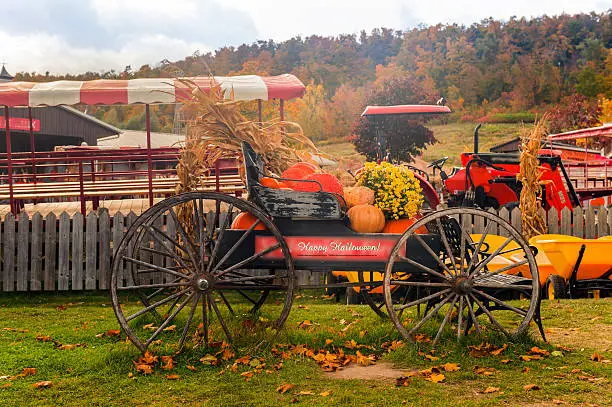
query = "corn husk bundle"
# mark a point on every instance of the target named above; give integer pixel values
(533, 223)
(219, 123)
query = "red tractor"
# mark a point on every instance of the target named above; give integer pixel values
(489, 180)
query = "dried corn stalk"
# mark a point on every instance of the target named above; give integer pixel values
(530, 201)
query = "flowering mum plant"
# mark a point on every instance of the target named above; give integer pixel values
(397, 192)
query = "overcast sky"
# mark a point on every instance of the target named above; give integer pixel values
(73, 36)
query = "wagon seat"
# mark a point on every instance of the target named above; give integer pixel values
(280, 203)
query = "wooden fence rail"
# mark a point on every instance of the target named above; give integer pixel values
(64, 253)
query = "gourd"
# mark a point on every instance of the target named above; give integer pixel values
(245, 220)
(366, 218)
(358, 195)
(298, 171)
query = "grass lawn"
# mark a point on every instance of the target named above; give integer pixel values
(100, 371)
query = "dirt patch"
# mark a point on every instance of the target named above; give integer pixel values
(597, 336)
(379, 371)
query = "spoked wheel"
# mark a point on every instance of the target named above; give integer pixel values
(182, 276)
(370, 288)
(473, 270)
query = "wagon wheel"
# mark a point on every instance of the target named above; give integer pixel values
(464, 283)
(368, 288)
(182, 277)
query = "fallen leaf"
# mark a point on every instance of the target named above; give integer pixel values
(209, 360)
(171, 328)
(43, 385)
(305, 324)
(305, 393)
(173, 377)
(328, 342)
(168, 362)
(6, 385)
(525, 370)
(303, 306)
(113, 332)
(44, 338)
(525, 358)
(144, 368)
(432, 358)
(489, 390)
(227, 354)
(485, 371)
(325, 393)
(596, 357)
(506, 361)
(450, 367)
(436, 378)
(365, 360)
(555, 401)
(69, 347)
(247, 375)
(537, 351)
(192, 368)
(130, 375)
(283, 388)
(531, 387)
(556, 353)
(496, 352)
(150, 327)
(28, 371)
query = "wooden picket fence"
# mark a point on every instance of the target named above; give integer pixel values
(74, 253)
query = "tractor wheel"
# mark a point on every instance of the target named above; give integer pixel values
(555, 287)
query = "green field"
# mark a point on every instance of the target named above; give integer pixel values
(100, 370)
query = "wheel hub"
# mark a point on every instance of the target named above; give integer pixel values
(462, 285)
(202, 284)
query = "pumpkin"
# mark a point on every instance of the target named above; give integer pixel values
(366, 218)
(399, 226)
(358, 195)
(298, 171)
(328, 182)
(269, 182)
(245, 220)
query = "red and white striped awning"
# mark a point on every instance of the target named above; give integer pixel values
(146, 90)
(601, 131)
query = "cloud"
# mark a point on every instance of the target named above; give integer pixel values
(71, 36)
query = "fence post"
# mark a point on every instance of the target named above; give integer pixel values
(553, 221)
(578, 222)
(91, 252)
(49, 279)
(23, 246)
(36, 252)
(517, 220)
(8, 276)
(63, 258)
(105, 253)
(589, 223)
(566, 221)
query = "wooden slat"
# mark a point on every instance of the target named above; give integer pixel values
(63, 258)
(553, 221)
(589, 223)
(566, 222)
(517, 220)
(118, 230)
(23, 246)
(8, 272)
(505, 215)
(50, 275)
(602, 222)
(77, 252)
(129, 278)
(578, 222)
(479, 224)
(36, 253)
(105, 253)
(91, 252)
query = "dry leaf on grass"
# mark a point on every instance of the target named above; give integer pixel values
(531, 387)
(283, 388)
(192, 368)
(305, 393)
(28, 371)
(489, 390)
(436, 378)
(209, 360)
(537, 351)
(325, 393)
(43, 385)
(173, 377)
(167, 362)
(450, 367)
(113, 332)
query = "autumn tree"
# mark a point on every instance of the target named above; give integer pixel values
(402, 136)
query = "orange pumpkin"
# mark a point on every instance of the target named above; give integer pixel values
(399, 226)
(269, 182)
(358, 195)
(298, 171)
(244, 220)
(366, 218)
(329, 183)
